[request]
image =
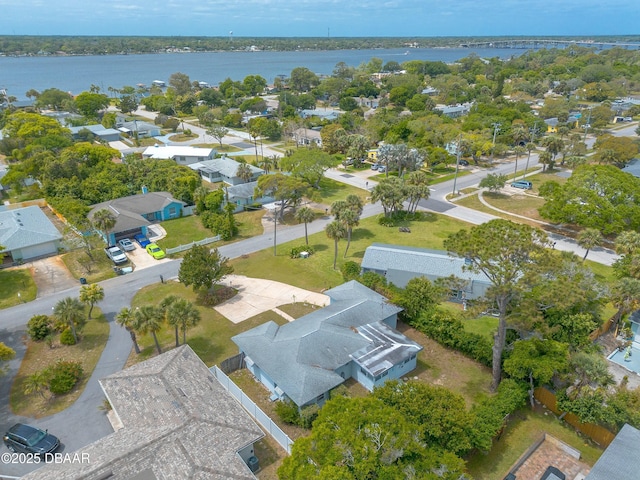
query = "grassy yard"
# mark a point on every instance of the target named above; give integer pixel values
(13, 282)
(38, 356)
(484, 326)
(520, 204)
(316, 272)
(331, 191)
(94, 269)
(181, 231)
(524, 428)
(210, 339)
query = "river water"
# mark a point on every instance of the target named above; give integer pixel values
(76, 74)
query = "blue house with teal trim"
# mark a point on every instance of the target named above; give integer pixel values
(134, 214)
(354, 336)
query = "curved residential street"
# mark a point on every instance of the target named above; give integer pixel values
(83, 422)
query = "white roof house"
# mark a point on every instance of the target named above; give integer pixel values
(27, 233)
(181, 154)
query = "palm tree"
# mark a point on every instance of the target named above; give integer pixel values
(70, 311)
(91, 294)
(126, 318)
(349, 219)
(627, 242)
(188, 314)
(625, 296)
(305, 215)
(148, 319)
(589, 238)
(244, 172)
(335, 231)
(104, 221)
(546, 158)
(170, 315)
(554, 145)
(36, 383)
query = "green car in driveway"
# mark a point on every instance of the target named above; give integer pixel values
(155, 251)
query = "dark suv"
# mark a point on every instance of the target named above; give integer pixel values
(28, 439)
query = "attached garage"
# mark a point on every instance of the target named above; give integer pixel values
(27, 233)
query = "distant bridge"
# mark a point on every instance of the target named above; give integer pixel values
(544, 43)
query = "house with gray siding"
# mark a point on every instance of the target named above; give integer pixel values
(224, 169)
(135, 213)
(399, 264)
(27, 233)
(354, 336)
(173, 420)
(182, 155)
(243, 195)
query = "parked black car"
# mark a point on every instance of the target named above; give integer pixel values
(28, 439)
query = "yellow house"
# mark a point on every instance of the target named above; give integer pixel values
(372, 155)
(552, 125)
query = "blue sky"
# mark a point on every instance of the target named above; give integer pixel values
(290, 18)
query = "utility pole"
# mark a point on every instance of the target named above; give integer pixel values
(586, 127)
(496, 126)
(458, 152)
(533, 132)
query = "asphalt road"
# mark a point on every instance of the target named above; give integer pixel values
(83, 422)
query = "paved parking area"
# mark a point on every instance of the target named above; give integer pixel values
(256, 295)
(552, 452)
(50, 275)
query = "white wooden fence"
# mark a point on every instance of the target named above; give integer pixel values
(249, 405)
(182, 248)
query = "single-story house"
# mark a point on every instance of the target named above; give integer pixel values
(224, 169)
(243, 195)
(173, 420)
(135, 213)
(322, 113)
(552, 124)
(454, 111)
(182, 155)
(352, 337)
(307, 137)
(143, 129)
(399, 264)
(620, 461)
(102, 133)
(27, 233)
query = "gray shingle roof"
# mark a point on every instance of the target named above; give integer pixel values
(421, 261)
(24, 227)
(128, 211)
(224, 165)
(621, 459)
(179, 423)
(242, 190)
(301, 356)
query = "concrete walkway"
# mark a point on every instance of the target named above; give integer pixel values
(256, 296)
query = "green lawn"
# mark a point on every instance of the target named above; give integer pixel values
(525, 205)
(14, 282)
(316, 272)
(210, 339)
(522, 431)
(331, 190)
(95, 269)
(484, 326)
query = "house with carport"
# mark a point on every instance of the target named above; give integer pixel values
(27, 233)
(173, 420)
(399, 264)
(354, 336)
(134, 214)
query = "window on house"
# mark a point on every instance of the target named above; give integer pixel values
(172, 211)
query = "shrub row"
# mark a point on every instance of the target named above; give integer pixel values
(288, 412)
(448, 330)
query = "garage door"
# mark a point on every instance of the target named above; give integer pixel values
(39, 250)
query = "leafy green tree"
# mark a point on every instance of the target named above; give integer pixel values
(305, 215)
(503, 251)
(335, 231)
(254, 84)
(53, 98)
(308, 165)
(595, 196)
(302, 79)
(203, 268)
(39, 327)
(128, 103)
(181, 83)
(588, 239)
(149, 319)
(441, 413)
(420, 296)
(625, 296)
(89, 104)
(288, 190)
(70, 311)
(126, 318)
(90, 295)
(537, 361)
(358, 438)
(617, 151)
(493, 182)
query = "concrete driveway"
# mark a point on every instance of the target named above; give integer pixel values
(51, 276)
(256, 295)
